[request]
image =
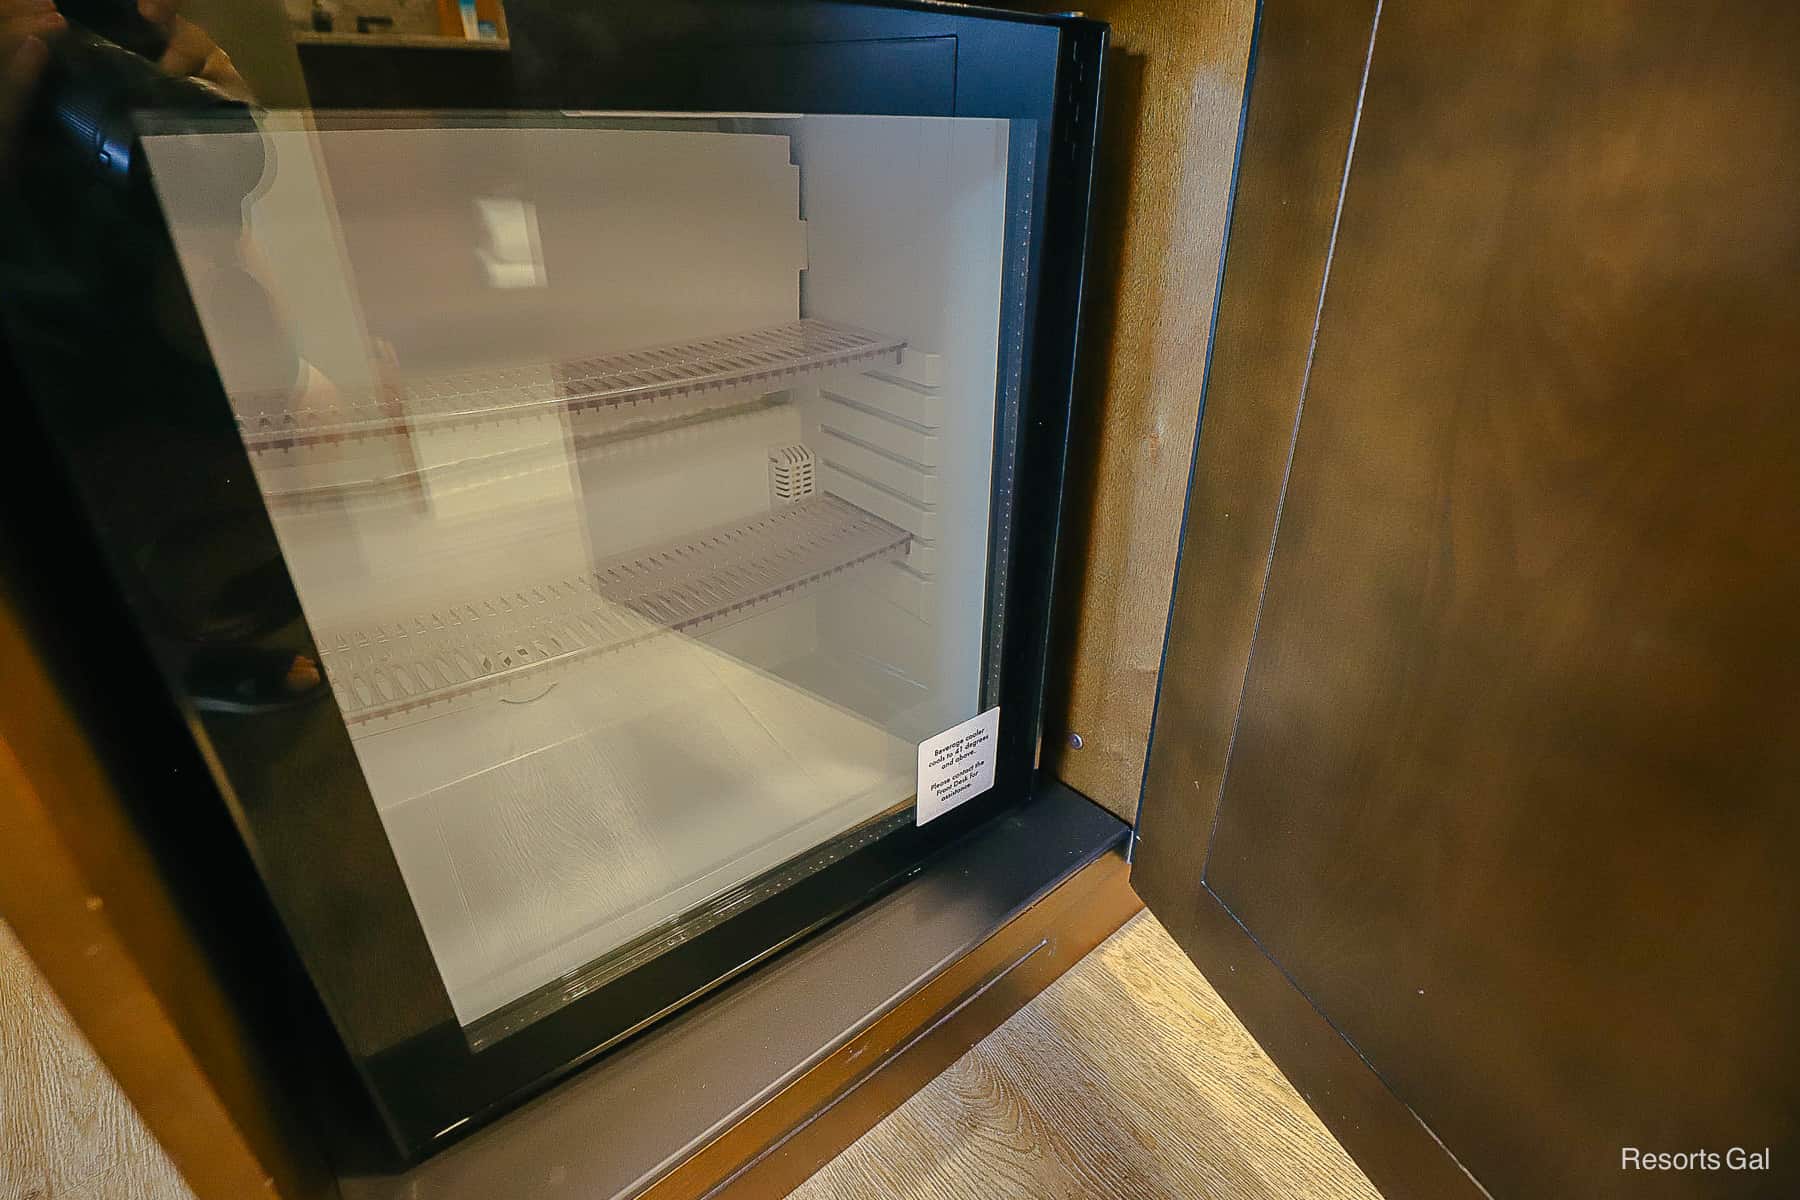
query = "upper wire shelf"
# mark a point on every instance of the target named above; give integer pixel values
(409, 485)
(764, 359)
(393, 668)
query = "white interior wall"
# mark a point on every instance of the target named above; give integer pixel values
(647, 237)
(642, 238)
(906, 226)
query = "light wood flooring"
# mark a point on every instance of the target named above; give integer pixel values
(1127, 1077)
(66, 1131)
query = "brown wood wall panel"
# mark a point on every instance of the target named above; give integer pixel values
(1174, 91)
(1297, 138)
(1512, 797)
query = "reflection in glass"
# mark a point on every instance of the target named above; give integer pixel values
(635, 482)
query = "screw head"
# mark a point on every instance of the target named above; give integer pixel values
(1074, 741)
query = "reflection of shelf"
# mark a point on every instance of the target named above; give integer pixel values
(764, 360)
(385, 670)
(488, 470)
(410, 41)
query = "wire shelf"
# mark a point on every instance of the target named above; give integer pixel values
(411, 485)
(764, 359)
(386, 670)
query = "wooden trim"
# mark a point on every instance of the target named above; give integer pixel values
(92, 911)
(807, 1123)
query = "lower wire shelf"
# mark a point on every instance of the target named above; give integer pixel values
(391, 669)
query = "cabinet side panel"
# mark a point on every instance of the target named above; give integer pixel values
(1511, 796)
(1174, 91)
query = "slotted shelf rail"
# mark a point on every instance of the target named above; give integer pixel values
(768, 360)
(388, 669)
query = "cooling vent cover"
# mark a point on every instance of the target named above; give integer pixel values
(792, 471)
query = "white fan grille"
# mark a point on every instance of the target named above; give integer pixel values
(793, 474)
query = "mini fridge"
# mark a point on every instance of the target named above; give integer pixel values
(591, 503)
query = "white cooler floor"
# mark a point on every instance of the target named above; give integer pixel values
(536, 836)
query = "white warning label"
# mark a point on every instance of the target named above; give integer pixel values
(957, 764)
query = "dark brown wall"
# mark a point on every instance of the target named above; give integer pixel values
(1511, 794)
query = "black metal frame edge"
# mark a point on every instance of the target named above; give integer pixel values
(1060, 269)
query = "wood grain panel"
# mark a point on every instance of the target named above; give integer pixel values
(1512, 797)
(1297, 131)
(1128, 1077)
(1174, 90)
(66, 1130)
(1298, 126)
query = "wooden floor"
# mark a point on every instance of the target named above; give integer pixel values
(66, 1131)
(1127, 1077)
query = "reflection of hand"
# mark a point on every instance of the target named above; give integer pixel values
(24, 27)
(191, 49)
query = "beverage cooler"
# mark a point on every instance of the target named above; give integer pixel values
(592, 503)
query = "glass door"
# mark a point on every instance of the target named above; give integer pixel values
(634, 478)
(573, 536)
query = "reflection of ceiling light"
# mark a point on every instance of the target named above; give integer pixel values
(513, 254)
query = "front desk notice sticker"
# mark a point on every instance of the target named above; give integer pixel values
(957, 764)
